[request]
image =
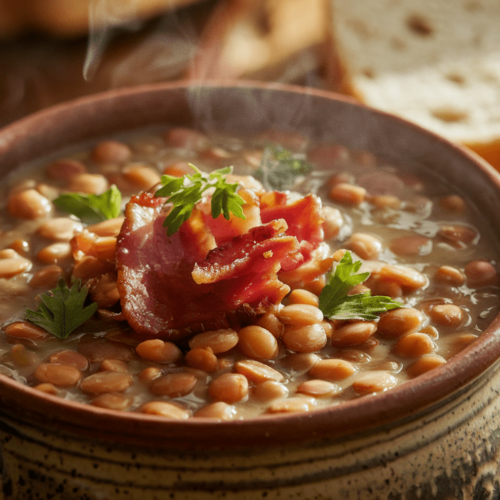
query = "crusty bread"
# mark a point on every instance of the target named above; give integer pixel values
(436, 63)
(262, 39)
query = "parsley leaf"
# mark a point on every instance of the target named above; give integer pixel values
(335, 302)
(62, 309)
(280, 167)
(91, 208)
(185, 192)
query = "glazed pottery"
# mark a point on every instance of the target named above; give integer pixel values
(435, 437)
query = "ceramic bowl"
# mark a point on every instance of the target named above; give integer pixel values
(435, 437)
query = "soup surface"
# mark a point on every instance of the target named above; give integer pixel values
(245, 333)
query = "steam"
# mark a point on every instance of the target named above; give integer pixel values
(161, 54)
(167, 48)
(104, 16)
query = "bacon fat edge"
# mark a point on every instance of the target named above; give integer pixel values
(175, 286)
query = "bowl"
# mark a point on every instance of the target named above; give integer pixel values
(436, 436)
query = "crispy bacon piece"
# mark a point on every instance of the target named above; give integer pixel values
(174, 286)
(252, 252)
(304, 218)
(212, 273)
(225, 230)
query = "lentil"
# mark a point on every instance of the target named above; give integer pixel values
(289, 358)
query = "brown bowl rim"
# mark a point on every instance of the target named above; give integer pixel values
(345, 420)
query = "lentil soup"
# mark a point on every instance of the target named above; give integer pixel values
(420, 243)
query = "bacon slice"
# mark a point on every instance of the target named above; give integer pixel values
(175, 286)
(225, 230)
(237, 257)
(304, 218)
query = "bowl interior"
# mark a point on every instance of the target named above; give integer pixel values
(245, 108)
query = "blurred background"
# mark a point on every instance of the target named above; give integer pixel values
(55, 50)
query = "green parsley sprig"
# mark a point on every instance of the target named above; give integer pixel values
(280, 167)
(62, 309)
(335, 302)
(185, 192)
(91, 208)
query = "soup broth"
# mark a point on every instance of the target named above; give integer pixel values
(420, 243)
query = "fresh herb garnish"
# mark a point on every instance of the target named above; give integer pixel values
(335, 302)
(184, 192)
(91, 208)
(280, 167)
(62, 309)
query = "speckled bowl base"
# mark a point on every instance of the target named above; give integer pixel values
(451, 452)
(436, 437)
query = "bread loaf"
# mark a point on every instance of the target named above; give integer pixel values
(262, 39)
(436, 63)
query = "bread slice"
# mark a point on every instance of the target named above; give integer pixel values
(436, 63)
(262, 39)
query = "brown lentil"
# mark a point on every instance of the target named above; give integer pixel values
(202, 359)
(88, 184)
(111, 152)
(65, 169)
(332, 369)
(300, 296)
(113, 401)
(414, 345)
(410, 245)
(300, 315)
(149, 374)
(58, 374)
(348, 194)
(319, 388)
(449, 276)
(257, 372)
(256, 342)
(55, 253)
(158, 351)
(218, 410)
(353, 334)
(218, 340)
(425, 364)
(229, 388)
(26, 330)
(269, 390)
(143, 177)
(364, 245)
(173, 385)
(69, 357)
(14, 266)
(376, 381)
(292, 405)
(398, 322)
(59, 229)
(97, 350)
(271, 323)
(114, 365)
(47, 277)
(164, 409)
(480, 273)
(102, 382)
(308, 338)
(47, 388)
(28, 204)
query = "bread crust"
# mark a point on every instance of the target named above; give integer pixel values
(433, 63)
